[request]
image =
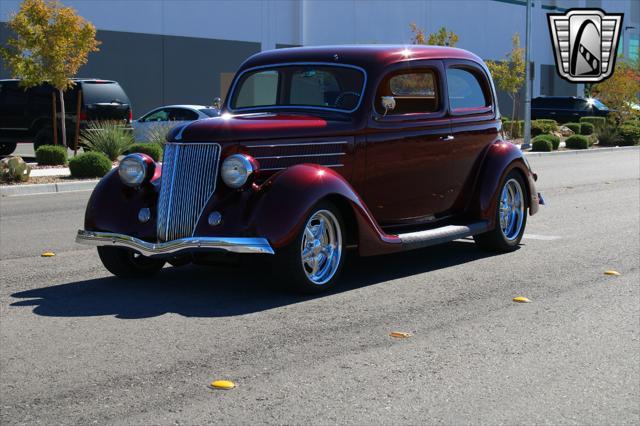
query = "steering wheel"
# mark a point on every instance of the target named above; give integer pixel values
(342, 95)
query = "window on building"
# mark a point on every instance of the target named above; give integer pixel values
(465, 90)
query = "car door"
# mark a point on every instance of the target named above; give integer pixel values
(142, 125)
(474, 127)
(13, 109)
(407, 160)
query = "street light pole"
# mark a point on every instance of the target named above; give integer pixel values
(527, 83)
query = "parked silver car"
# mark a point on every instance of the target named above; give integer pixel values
(166, 117)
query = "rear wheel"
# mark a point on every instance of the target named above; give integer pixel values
(127, 263)
(7, 148)
(43, 137)
(314, 260)
(511, 217)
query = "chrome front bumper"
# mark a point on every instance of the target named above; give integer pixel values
(234, 245)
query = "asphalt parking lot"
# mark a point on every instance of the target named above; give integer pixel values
(81, 347)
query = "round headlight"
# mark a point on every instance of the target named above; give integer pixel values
(236, 170)
(132, 170)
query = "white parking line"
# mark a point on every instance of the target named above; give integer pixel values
(541, 237)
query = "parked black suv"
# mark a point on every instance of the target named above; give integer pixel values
(565, 109)
(25, 115)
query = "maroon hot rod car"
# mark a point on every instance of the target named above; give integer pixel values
(320, 150)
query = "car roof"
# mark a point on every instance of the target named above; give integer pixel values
(76, 80)
(367, 56)
(183, 106)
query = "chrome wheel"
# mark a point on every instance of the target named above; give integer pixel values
(321, 249)
(511, 209)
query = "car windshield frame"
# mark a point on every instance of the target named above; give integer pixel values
(275, 66)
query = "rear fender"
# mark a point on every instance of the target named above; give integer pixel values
(502, 157)
(285, 201)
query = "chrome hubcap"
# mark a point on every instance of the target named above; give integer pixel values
(511, 209)
(321, 249)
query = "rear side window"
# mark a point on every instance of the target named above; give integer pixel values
(103, 92)
(413, 92)
(466, 91)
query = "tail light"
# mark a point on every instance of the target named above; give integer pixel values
(83, 115)
(130, 115)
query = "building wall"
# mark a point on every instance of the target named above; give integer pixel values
(170, 51)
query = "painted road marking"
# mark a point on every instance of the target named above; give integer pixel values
(541, 237)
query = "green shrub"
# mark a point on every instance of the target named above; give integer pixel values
(586, 128)
(541, 144)
(107, 137)
(574, 127)
(598, 122)
(543, 127)
(629, 134)
(90, 164)
(153, 150)
(51, 155)
(515, 129)
(555, 140)
(609, 136)
(577, 142)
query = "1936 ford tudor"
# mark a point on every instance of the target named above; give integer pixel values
(321, 150)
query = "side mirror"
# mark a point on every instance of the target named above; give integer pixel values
(217, 103)
(388, 103)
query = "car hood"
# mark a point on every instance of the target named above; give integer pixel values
(242, 127)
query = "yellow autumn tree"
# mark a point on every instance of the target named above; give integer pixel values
(509, 74)
(49, 43)
(442, 37)
(620, 91)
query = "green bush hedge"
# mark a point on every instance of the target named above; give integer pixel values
(586, 128)
(577, 142)
(553, 139)
(630, 134)
(574, 127)
(517, 131)
(598, 122)
(90, 164)
(153, 150)
(541, 144)
(543, 127)
(51, 155)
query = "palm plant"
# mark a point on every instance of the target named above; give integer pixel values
(109, 137)
(609, 135)
(158, 133)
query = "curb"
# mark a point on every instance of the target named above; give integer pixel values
(47, 188)
(582, 151)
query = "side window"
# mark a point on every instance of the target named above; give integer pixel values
(159, 115)
(181, 114)
(465, 90)
(414, 92)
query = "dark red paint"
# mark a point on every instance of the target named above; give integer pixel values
(398, 171)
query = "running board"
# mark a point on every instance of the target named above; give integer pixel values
(432, 237)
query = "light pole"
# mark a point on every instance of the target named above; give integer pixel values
(527, 81)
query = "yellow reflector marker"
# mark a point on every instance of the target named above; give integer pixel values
(48, 254)
(400, 334)
(616, 273)
(521, 299)
(223, 384)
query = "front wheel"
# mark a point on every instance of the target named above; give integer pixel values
(313, 261)
(7, 148)
(511, 217)
(128, 264)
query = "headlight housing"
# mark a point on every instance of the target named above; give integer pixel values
(133, 170)
(237, 169)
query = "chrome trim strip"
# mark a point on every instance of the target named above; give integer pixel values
(298, 144)
(334, 154)
(283, 168)
(289, 64)
(234, 245)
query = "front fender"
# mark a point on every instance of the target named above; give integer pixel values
(285, 201)
(501, 158)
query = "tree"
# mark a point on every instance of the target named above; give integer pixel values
(49, 43)
(620, 91)
(440, 38)
(509, 74)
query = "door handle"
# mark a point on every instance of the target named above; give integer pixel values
(447, 138)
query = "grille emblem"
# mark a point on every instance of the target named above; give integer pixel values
(585, 43)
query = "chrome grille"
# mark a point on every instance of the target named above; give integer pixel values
(282, 156)
(189, 174)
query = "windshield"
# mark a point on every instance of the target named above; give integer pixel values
(103, 92)
(324, 86)
(599, 105)
(211, 112)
